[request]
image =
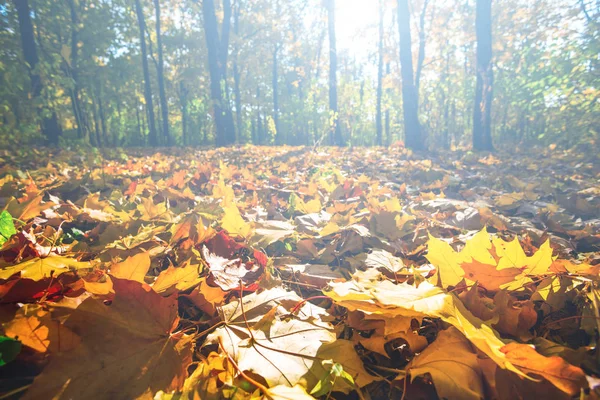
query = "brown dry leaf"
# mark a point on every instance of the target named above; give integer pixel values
(481, 306)
(127, 349)
(133, 268)
(560, 373)
(515, 319)
(453, 366)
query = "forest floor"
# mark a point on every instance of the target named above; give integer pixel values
(365, 273)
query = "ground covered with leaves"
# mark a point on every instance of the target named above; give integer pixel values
(290, 273)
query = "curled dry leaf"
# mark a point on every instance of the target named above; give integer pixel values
(452, 364)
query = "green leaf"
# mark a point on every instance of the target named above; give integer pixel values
(9, 349)
(7, 227)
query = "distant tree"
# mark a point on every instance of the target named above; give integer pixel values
(421, 54)
(217, 66)
(279, 136)
(49, 124)
(164, 105)
(152, 136)
(338, 138)
(410, 99)
(73, 69)
(482, 112)
(236, 71)
(378, 117)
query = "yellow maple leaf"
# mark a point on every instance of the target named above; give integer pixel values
(373, 296)
(233, 222)
(40, 268)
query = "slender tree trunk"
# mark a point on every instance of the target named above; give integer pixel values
(421, 55)
(217, 66)
(139, 122)
(183, 96)
(102, 115)
(82, 128)
(278, 133)
(445, 91)
(152, 136)
(236, 73)
(378, 117)
(279, 139)
(49, 125)
(410, 99)
(337, 139)
(96, 122)
(164, 106)
(388, 133)
(482, 110)
(259, 125)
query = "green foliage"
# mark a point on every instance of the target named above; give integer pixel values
(545, 64)
(7, 227)
(9, 350)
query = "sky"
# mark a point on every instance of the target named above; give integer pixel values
(356, 26)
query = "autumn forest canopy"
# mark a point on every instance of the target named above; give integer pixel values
(426, 73)
(298, 199)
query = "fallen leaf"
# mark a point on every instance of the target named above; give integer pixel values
(128, 347)
(452, 364)
(133, 268)
(560, 373)
(40, 268)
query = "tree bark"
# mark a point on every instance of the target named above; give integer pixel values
(183, 94)
(410, 99)
(236, 73)
(164, 106)
(421, 55)
(482, 110)
(49, 125)
(388, 133)
(337, 139)
(378, 117)
(217, 66)
(152, 136)
(78, 112)
(278, 133)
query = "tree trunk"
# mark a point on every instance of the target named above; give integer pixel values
(217, 66)
(183, 97)
(482, 110)
(259, 125)
(152, 136)
(421, 55)
(98, 139)
(278, 133)
(49, 125)
(102, 116)
(337, 139)
(388, 133)
(139, 122)
(164, 106)
(78, 112)
(410, 99)
(236, 73)
(378, 117)
(445, 91)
